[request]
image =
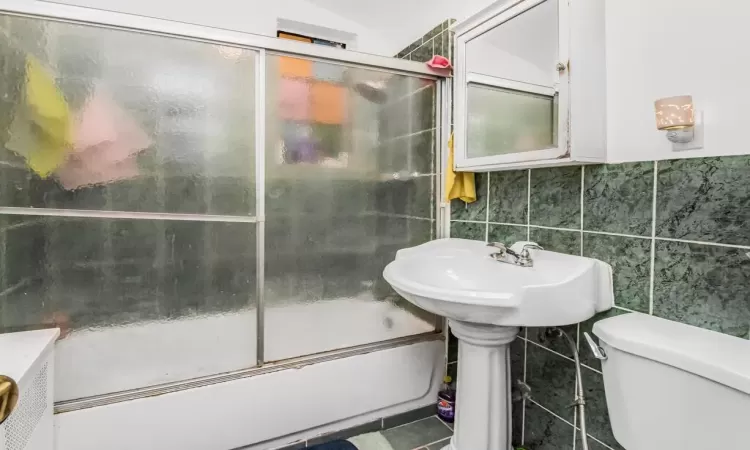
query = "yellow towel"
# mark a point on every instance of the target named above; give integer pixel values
(458, 185)
(41, 130)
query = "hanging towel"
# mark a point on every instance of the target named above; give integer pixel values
(458, 184)
(41, 132)
(106, 142)
(76, 173)
(103, 124)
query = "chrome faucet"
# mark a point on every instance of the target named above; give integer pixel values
(522, 259)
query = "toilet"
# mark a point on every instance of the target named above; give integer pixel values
(671, 386)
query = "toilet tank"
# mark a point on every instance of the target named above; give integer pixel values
(672, 386)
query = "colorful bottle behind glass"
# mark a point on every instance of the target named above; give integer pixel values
(446, 405)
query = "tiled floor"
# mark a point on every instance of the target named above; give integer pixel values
(430, 433)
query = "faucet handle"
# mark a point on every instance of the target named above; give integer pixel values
(525, 250)
(499, 245)
(598, 352)
(501, 252)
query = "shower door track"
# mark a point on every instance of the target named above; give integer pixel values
(143, 24)
(293, 363)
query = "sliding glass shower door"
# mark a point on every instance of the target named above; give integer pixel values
(344, 191)
(133, 214)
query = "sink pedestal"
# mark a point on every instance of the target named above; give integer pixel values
(483, 406)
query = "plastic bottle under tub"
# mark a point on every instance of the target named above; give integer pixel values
(446, 405)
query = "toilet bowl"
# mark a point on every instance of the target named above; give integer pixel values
(671, 386)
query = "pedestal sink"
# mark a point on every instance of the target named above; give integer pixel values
(486, 301)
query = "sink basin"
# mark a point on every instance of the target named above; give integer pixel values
(486, 301)
(458, 279)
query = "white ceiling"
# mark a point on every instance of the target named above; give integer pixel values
(400, 22)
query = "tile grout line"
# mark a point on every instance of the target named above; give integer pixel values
(713, 244)
(402, 216)
(607, 233)
(436, 442)
(549, 350)
(578, 326)
(422, 44)
(575, 395)
(545, 227)
(600, 442)
(507, 224)
(523, 402)
(596, 439)
(468, 221)
(407, 423)
(528, 205)
(561, 355)
(550, 412)
(487, 211)
(583, 184)
(626, 309)
(653, 241)
(444, 423)
(592, 369)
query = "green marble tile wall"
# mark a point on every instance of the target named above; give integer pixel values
(437, 41)
(675, 234)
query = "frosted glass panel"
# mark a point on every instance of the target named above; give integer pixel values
(98, 119)
(502, 121)
(139, 302)
(349, 182)
(124, 121)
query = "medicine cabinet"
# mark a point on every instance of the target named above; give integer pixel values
(530, 85)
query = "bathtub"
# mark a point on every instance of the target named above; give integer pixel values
(297, 399)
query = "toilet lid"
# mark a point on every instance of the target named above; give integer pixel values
(716, 356)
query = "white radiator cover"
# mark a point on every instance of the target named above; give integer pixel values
(28, 359)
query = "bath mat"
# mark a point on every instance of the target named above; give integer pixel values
(335, 445)
(371, 441)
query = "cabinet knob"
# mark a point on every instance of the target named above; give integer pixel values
(561, 67)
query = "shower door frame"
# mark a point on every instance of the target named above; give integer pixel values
(263, 46)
